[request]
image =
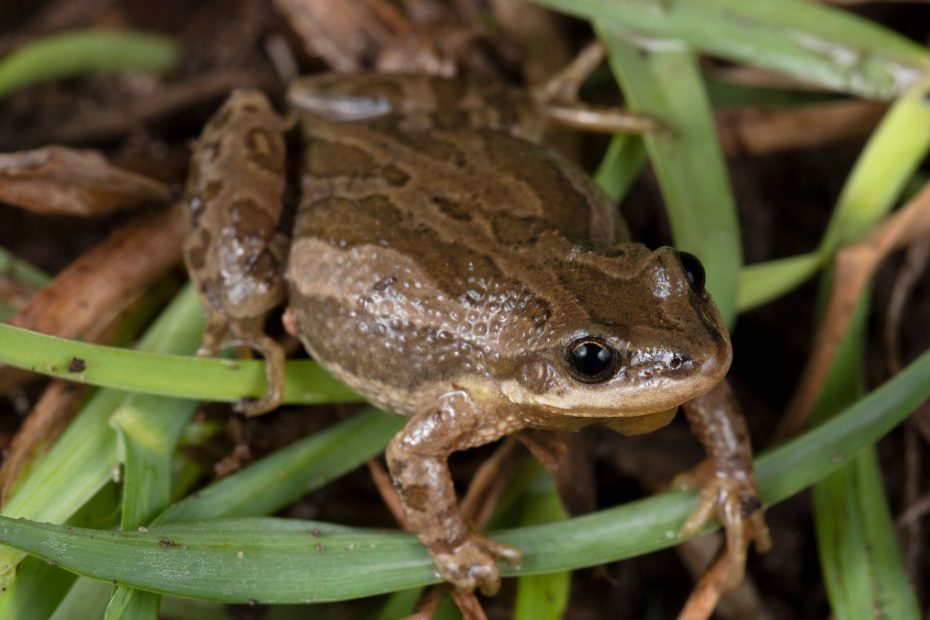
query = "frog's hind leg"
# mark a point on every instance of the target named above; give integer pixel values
(224, 333)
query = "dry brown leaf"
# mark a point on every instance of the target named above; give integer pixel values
(56, 180)
(759, 131)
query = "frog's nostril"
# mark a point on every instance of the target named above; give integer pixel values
(676, 362)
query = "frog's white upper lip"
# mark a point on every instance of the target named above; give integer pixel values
(644, 398)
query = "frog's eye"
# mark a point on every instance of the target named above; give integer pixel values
(590, 359)
(694, 270)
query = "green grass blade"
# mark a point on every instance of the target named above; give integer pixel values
(857, 545)
(290, 562)
(86, 52)
(856, 538)
(622, 164)
(666, 83)
(278, 479)
(148, 429)
(881, 173)
(38, 590)
(16, 268)
(40, 587)
(178, 376)
(542, 597)
(808, 40)
(86, 600)
(19, 271)
(131, 604)
(763, 282)
(84, 457)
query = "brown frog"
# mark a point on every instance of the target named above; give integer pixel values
(451, 269)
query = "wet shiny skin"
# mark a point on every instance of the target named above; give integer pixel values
(441, 264)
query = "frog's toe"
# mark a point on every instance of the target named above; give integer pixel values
(473, 564)
(257, 406)
(734, 500)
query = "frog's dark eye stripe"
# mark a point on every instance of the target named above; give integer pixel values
(694, 270)
(590, 360)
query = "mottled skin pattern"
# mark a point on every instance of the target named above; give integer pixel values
(233, 250)
(444, 266)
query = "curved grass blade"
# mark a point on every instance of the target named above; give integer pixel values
(542, 597)
(808, 40)
(272, 560)
(280, 478)
(622, 164)
(40, 587)
(165, 375)
(22, 271)
(84, 457)
(762, 282)
(19, 271)
(148, 429)
(891, 156)
(882, 172)
(665, 82)
(86, 52)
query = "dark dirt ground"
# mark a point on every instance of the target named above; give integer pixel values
(784, 201)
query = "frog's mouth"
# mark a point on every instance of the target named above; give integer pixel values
(656, 397)
(639, 389)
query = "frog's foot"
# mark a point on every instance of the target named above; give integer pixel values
(558, 97)
(734, 499)
(473, 563)
(239, 333)
(271, 350)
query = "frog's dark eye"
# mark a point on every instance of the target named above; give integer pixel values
(590, 360)
(694, 270)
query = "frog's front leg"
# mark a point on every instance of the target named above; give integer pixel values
(233, 249)
(417, 458)
(726, 479)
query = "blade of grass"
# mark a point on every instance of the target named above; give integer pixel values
(857, 540)
(84, 457)
(287, 561)
(86, 52)
(763, 282)
(542, 597)
(882, 172)
(665, 82)
(148, 429)
(622, 164)
(807, 40)
(280, 478)
(162, 374)
(40, 587)
(20, 270)
(86, 599)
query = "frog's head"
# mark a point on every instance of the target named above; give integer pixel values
(639, 336)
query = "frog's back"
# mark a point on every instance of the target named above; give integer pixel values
(415, 254)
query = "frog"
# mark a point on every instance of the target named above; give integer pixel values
(451, 268)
